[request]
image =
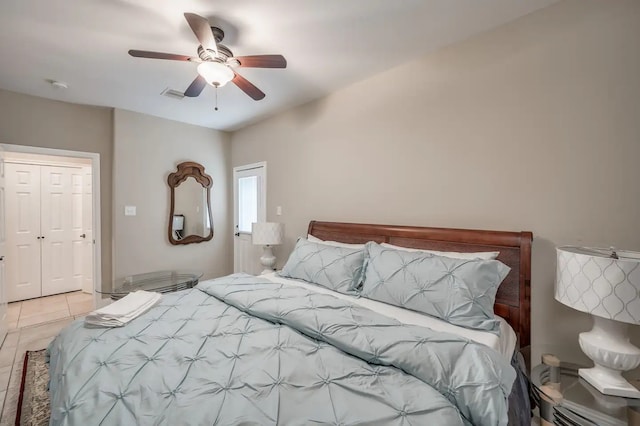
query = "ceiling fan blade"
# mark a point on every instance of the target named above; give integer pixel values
(262, 61)
(201, 28)
(196, 87)
(247, 87)
(159, 55)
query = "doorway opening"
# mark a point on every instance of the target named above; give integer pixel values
(51, 234)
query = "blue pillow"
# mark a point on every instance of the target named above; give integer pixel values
(459, 291)
(337, 268)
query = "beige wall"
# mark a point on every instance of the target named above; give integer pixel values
(32, 121)
(146, 150)
(532, 126)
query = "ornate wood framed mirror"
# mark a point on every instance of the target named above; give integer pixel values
(190, 218)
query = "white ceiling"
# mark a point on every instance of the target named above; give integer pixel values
(328, 44)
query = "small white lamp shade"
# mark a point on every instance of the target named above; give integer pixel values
(267, 234)
(606, 285)
(178, 222)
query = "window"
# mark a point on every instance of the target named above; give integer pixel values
(247, 202)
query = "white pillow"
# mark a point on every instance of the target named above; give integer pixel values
(317, 240)
(485, 255)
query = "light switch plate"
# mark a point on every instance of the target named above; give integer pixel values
(129, 210)
(279, 211)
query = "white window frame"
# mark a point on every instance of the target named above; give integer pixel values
(263, 189)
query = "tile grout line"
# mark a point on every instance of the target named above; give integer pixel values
(65, 307)
(66, 299)
(19, 317)
(13, 361)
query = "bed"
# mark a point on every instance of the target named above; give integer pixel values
(263, 350)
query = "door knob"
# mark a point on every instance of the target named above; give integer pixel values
(1, 258)
(38, 237)
(237, 234)
(83, 235)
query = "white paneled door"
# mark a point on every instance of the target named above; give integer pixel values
(61, 226)
(3, 288)
(22, 187)
(55, 229)
(45, 227)
(249, 194)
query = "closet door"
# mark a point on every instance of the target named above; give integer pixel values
(22, 231)
(61, 220)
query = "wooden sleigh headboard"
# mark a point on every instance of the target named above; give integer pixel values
(513, 301)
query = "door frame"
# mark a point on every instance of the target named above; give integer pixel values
(251, 166)
(95, 167)
(4, 311)
(263, 190)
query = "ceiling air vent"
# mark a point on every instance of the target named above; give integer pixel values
(172, 93)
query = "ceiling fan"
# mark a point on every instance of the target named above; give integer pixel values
(216, 61)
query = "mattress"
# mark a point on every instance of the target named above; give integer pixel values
(504, 343)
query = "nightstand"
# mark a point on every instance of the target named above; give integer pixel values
(566, 399)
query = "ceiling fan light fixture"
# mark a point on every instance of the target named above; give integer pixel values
(215, 73)
(216, 61)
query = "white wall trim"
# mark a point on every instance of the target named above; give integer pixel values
(97, 231)
(46, 163)
(251, 166)
(52, 162)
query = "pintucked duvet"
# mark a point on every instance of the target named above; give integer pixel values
(245, 350)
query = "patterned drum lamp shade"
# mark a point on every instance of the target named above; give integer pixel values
(605, 284)
(267, 234)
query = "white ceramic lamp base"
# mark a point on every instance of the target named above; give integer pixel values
(608, 346)
(267, 260)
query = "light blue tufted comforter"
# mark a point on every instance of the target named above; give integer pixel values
(244, 350)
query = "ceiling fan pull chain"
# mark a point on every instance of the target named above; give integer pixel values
(216, 107)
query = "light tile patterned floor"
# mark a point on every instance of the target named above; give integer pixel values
(47, 309)
(32, 325)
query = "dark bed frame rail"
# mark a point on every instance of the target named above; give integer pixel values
(513, 301)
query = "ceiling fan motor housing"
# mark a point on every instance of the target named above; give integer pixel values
(224, 53)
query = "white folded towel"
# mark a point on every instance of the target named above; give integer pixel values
(124, 310)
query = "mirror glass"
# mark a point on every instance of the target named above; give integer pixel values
(190, 216)
(190, 219)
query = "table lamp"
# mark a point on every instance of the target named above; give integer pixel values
(267, 234)
(605, 284)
